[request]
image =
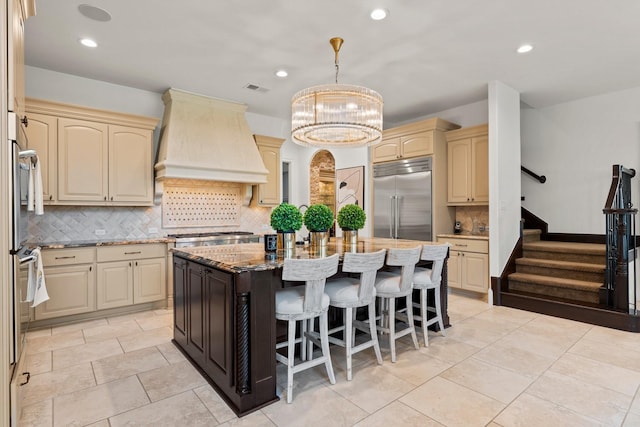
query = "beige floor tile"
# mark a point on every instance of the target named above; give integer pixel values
(161, 311)
(37, 333)
(39, 414)
(38, 363)
(255, 419)
(101, 423)
(171, 352)
(613, 336)
(397, 414)
(590, 400)
(58, 382)
(558, 327)
(85, 353)
(63, 329)
(497, 383)
(450, 350)
(372, 388)
(611, 353)
(127, 364)
(452, 404)
(99, 402)
(146, 339)
(502, 314)
(479, 332)
(323, 407)
(416, 367)
(631, 420)
(170, 380)
(107, 331)
(303, 381)
(184, 409)
(53, 342)
(548, 345)
(531, 411)
(592, 371)
(214, 403)
(158, 321)
(130, 316)
(635, 405)
(515, 359)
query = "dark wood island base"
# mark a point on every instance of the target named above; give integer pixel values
(224, 314)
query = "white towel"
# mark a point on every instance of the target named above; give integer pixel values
(36, 285)
(34, 193)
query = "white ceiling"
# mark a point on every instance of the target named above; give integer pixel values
(427, 56)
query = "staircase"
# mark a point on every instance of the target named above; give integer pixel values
(561, 271)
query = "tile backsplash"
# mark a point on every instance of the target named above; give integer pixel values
(466, 214)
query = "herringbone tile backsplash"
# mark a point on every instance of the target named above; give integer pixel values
(73, 223)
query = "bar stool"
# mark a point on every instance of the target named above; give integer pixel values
(350, 293)
(391, 285)
(430, 278)
(305, 303)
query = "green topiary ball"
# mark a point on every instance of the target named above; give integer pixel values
(351, 217)
(318, 218)
(286, 218)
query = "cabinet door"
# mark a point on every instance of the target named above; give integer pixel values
(480, 169)
(149, 280)
(196, 312)
(180, 301)
(453, 270)
(115, 284)
(15, 68)
(459, 171)
(388, 149)
(130, 165)
(269, 193)
(42, 136)
(419, 144)
(219, 337)
(475, 272)
(71, 289)
(82, 161)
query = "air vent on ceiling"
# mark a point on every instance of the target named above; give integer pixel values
(256, 88)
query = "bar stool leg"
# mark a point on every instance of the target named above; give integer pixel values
(391, 316)
(348, 339)
(439, 310)
(291, 352)
(411, 324)
(324, 336)
(423, 314)
(374, 332)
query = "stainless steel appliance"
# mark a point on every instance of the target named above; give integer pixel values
(402, 199)
(214, 238)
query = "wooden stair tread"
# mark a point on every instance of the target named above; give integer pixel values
(564, 265)
(531, 231)
(574, 247)
(555, 281)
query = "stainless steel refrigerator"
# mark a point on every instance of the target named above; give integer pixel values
(402, 199)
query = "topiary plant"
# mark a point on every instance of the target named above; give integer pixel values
(286, 218)
(318, 217)
(351, 217)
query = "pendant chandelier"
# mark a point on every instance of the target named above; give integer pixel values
(336, 115)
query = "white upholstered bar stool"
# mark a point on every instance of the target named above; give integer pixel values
(425, 279)
(350, 293)
(305, 303)
(392, 285)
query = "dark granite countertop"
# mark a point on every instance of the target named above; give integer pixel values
(88, 243)
(466, 235)
(252, 257)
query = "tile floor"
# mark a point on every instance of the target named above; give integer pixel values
(496, 367)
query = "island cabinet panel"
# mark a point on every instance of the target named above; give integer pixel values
(225, 323)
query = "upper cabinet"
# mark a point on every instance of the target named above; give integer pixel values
(268, 194)
(468, 166)
(92, 157)
(407, 141)
(18, 11)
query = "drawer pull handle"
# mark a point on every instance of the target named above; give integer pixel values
(133, 253)
(462, 246)
(66, 257)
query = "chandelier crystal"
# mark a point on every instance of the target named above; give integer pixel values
(336, 115)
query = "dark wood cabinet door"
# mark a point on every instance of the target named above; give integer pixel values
(219, 335)
(196, 316)
(180, 301)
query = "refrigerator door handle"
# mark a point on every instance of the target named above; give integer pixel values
(391, 215)
(397, 216)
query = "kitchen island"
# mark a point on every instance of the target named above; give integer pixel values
(224, 312)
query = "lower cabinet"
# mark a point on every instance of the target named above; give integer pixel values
(71, 290)
(468, 264)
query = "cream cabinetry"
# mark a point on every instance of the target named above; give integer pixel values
(99, 157)
(71, 282)
(17, 13)
(42, 136)
(131, 274)
(399, 147)
(468, 264)
(269, 194)
(468, 166)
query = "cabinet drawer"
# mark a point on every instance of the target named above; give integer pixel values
(52, 257)
(127, 252)
(468, 245)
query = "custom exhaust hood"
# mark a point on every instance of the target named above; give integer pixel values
(205, 138)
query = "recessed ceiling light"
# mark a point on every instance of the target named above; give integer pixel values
(282, 73)
(379, 14)
(525, 48)
(88, 43)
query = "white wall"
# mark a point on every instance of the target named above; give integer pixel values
(476, 113)
(504, 174)
(574, 145)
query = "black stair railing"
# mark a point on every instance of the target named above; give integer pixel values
(541, 178)
(619, 290)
